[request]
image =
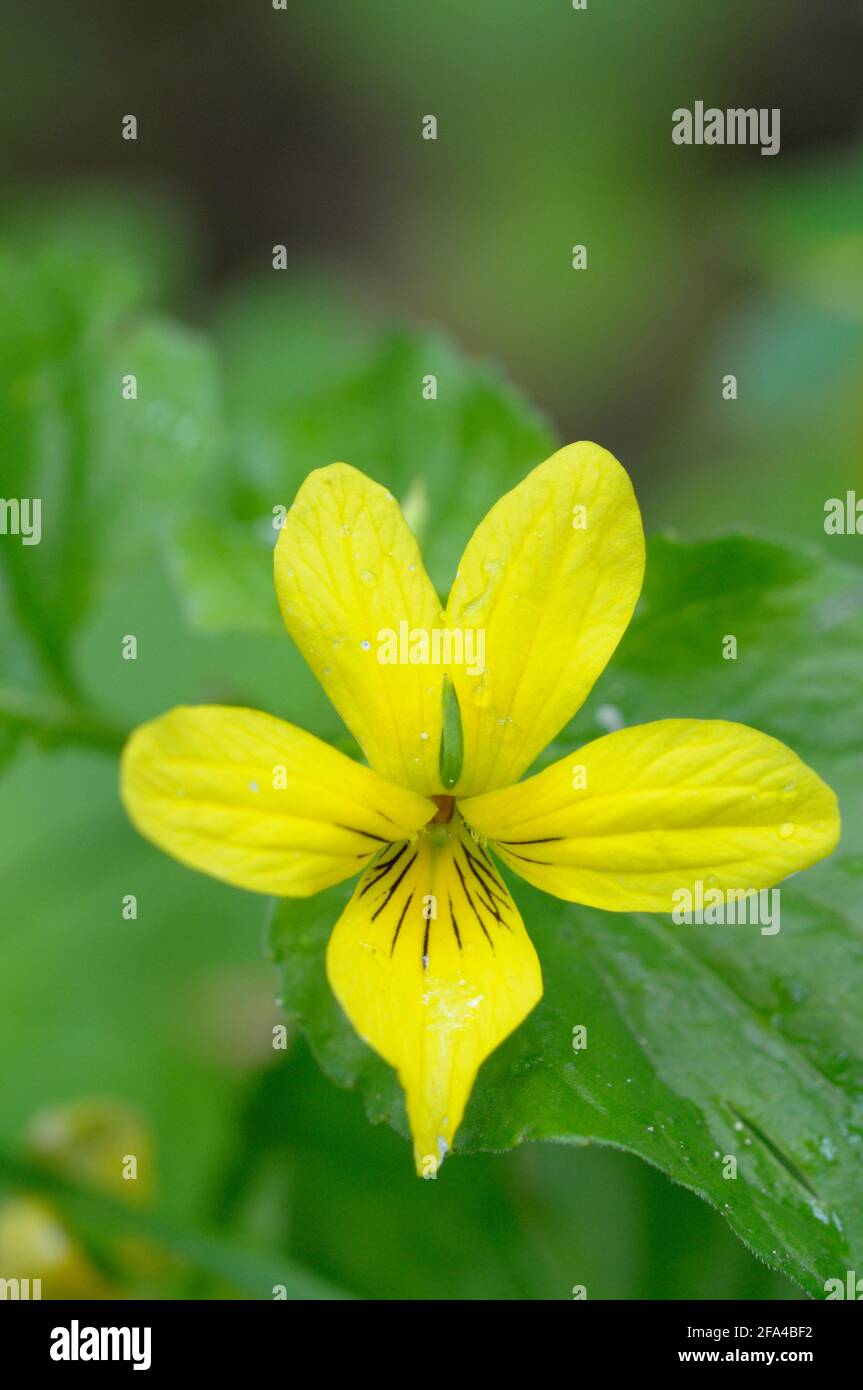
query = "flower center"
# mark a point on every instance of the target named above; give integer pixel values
(445, 809)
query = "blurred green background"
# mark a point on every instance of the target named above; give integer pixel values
(302, 127)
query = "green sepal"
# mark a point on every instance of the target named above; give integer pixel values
(451, 738)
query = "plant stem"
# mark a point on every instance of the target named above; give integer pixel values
(58, 721)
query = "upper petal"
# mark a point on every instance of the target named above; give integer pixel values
(257, 802)
(431, 963)
(634, 817)
(551, 577)
(348, 572)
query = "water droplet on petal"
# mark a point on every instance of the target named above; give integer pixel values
(609, 717)
(786, 829)
(481, 692)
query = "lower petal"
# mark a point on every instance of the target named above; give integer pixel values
(631, 819)
(431, 962)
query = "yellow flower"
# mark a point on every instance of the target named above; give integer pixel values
(430, 960)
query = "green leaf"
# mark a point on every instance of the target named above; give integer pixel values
(153, 456)
(94, 244)
(224, 575)
(702, 1041)
(511, 1226)
(309, 383)
(113, 477)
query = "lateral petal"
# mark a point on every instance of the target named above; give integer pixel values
(259, 803)
(634, 817)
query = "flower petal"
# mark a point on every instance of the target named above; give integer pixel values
(551, 576)
(434, 995)
(257, 802)
(634, 817)
(347, 571)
